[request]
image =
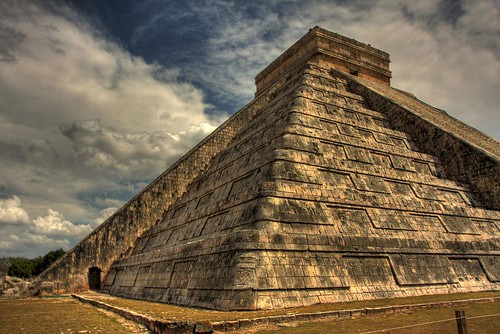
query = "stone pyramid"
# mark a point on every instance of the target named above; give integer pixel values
(330, 186)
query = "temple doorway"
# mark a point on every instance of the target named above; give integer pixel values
(94, 278)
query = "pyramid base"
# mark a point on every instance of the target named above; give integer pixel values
(252, 270)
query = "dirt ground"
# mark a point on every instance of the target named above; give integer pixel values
(60, 315)
(427, 321)
(67, 315)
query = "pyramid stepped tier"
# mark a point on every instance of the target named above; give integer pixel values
(329, 186)
(317, 200)
(469, 155)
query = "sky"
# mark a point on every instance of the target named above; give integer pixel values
(99, 97)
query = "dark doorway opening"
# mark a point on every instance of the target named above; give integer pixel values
(94, 278)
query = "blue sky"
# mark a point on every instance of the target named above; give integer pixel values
(99, 97)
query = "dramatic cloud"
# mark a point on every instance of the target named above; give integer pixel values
(82, 118)
(12, 213)
(436, 56)
(9, 39)
(19, 234)
(128, 154)
(445, 52)
(55, 224)
(91, 111)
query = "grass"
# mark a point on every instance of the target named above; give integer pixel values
(59, 315)
(487, 325)
(172, 312)
(67, 315)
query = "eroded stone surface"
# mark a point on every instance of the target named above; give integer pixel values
(317, 200)
(319, 191)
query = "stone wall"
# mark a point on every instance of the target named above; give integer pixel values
(319, 199)
(468, 156)
(194, 251)
(115, 237)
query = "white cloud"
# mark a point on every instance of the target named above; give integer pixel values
(87, 77)
(80, 116)
(128, 154)
(34, 240)
(12, 213)
(55, 224)
(41, 234)
(65, 71)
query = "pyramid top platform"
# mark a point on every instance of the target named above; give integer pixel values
(329, 49)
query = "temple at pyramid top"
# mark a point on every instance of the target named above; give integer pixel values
(329, 186)
(328, 49)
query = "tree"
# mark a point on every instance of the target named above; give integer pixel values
(21, 267)
(25, 268)
(49, 258)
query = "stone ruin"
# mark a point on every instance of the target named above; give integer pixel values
(329, 186)
(12, 287)
(15, 287)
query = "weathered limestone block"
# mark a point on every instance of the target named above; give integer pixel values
(330, 186)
